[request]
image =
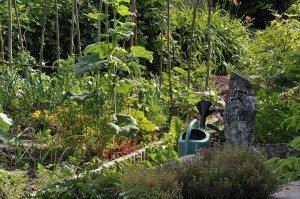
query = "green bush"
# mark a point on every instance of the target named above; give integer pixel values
(227, 172)
(288, 168)
(275, 71)
(140, 182)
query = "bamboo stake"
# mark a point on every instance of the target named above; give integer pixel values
(19, 27)
(1, 43)
(99, 22)
(106, 21)
(77, 29)
(191, 45)
(161, 44)
(9, 32)
(72, 29)
(57, 30)
(43, 34)
(169, 58)
(136, 24)
(209, 44)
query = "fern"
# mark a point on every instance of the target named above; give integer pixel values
(176, 128)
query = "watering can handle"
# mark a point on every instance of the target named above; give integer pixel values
(188, 134)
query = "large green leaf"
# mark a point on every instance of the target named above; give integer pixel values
(104, 49)
(5, 122)
(123, 10)
(88, 63)
(123, 124)
(180, 70)
(98, 16)
(143, 123)
(140, 51)
(124, 86)
(76, 97)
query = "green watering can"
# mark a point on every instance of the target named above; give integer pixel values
(195, 137)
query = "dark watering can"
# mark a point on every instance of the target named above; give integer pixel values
(195, 137)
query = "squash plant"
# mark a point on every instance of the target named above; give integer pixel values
(112, 64)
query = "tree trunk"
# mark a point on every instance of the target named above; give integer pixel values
(19, 27)
(1, 43)
(9, 31)
(43, 34)
(57, 31)
(191, 46)
(72, 28)
(99, 22)
(208, 44)
(77, 29)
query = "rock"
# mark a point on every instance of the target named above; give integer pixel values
(240, 111)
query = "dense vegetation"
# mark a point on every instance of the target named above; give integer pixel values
(84, 82)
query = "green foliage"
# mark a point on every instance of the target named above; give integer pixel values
(176, 128)
(89, 185)
(229, 39)
(123, 124)
(274, 69)
(12, 184)
(83, 128)
(260, 10)
(288, 168)
(228, 172)
(143, 123)
(140, 182)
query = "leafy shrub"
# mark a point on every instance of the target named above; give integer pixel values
(227, 172)
(275, 71)
(83, 129)
(288, 168)
(93, 185)
(140, 182)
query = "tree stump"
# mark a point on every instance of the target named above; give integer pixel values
(240, 111)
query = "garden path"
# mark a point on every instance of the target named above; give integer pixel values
(289, 191)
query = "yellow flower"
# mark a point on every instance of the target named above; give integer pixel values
(38, 112)
(35, 115)
(51, 117)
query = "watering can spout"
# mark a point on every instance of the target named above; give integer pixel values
(204, 110)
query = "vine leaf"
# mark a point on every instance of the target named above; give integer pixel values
(140, 51)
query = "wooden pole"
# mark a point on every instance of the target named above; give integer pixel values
(1, 43)
(19, 26)
(161, 44)
(99, 22)
(57, 30)
(209, 44)
(43, 34)
(169, 57)
(9, 31)
(191, 45)
(77, 29)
